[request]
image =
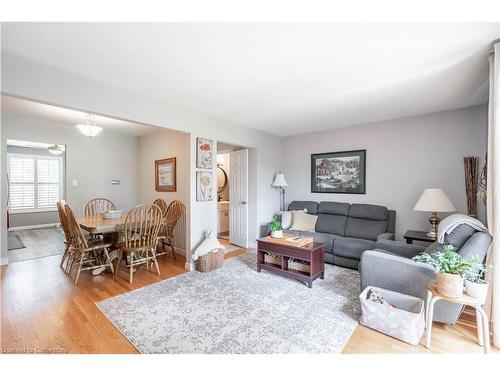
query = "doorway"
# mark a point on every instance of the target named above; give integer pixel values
(232, 196)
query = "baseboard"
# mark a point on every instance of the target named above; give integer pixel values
(4, 261)
(180, 251)
(188, 266)
(252, 244)
(37, 226)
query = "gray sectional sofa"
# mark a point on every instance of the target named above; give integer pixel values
(347, 229)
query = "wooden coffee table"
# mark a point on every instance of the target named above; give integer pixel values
(313, 253)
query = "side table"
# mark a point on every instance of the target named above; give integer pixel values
(416, 235)
(433, 296)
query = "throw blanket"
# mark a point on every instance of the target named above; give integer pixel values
(451, 222)
(210, 243)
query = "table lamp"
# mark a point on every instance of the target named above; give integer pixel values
(434, 200)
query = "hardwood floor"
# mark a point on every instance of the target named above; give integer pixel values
(42, 311)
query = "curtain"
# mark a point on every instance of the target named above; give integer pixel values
(492, 191)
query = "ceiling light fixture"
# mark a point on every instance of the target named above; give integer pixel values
(90, 129)
(55, 150)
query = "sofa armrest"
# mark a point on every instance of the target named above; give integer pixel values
(399, 248)
(395, 273)
(385, 236)
(405, 276)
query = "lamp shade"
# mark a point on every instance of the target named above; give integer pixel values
(279, 180)
(434, 200)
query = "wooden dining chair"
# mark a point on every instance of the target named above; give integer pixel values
(163, 206)
(67, 238)
(98, 206)
(172, 216)
(141, 229)
(86, 255)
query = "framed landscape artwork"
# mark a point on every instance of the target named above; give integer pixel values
(204, 188)
(339, 172)
(204, 153)
(165, 175)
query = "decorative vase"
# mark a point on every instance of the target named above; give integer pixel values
(277, 234)
(478, 290)
(450, 285)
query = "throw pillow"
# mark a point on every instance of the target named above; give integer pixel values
(304, 222)
(286, 219)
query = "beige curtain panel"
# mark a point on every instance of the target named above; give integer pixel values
(493, 186)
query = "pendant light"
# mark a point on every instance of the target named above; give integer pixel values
(55, 150)
(90, 129)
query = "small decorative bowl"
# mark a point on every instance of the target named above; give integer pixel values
(112, 214)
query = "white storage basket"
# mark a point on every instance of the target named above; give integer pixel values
(405, 322)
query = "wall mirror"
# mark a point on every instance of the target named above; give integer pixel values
(221, 180)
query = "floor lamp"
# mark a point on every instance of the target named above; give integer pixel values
(279, 181)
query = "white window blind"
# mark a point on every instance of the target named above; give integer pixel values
(35, 181)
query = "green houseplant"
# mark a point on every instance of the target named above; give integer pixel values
(276, 228)
(475, 285)
(450, 267)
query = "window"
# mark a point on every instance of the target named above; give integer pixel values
(35, 181)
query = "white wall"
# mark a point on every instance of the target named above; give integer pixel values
(163, 144)
(403, 157)
(93, 162)
(35, 81)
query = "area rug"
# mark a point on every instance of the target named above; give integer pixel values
(237, 310)
(14, 242)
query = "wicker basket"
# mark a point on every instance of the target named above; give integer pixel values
(210, 261)
(299, 266)
(272, 258)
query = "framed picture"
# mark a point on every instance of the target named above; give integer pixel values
(204, 188)
(204, 153)
(165, 175)
(339, 172)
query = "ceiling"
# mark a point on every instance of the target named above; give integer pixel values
(281, 78)
(45, 112)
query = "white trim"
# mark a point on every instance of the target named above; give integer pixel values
(37, 226)
(252, 244)
(188, 266)
(31, 210)
(4, 261)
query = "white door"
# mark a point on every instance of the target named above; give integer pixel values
(238, 198)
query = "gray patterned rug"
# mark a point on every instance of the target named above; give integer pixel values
(237, 310)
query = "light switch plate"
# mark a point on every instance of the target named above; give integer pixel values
(115, 182)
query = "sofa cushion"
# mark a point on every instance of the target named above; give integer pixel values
(334, 224)
(459, 236)
(310, 206)
(366, 221)
(351, 247)
(365, 229)
(333, 208)
(327, 239)
(368, 211)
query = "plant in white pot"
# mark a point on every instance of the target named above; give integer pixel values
(276, 228)
(450, 267)
(475, 285)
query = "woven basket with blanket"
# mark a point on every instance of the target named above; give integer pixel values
(209, 255)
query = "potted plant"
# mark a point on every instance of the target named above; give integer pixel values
(475, 285)
(450, 267)
(276, 228)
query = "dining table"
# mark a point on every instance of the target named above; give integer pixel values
(98, 224)
(109, 228)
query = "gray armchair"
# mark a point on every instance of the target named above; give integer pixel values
(390, 266)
